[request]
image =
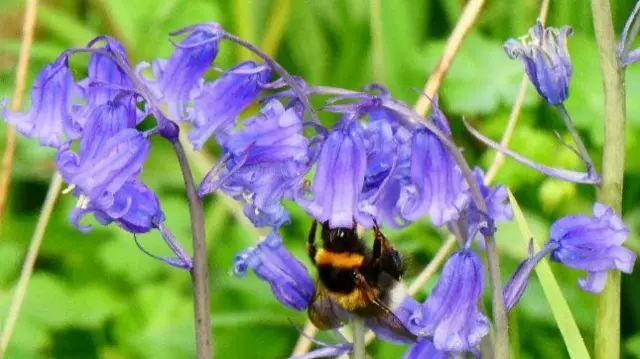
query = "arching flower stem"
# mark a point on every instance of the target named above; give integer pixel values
(295, 87)
(499, 314)
(582, 150)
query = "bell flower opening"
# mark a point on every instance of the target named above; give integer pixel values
(49, 120)
(450, 314)
(592, 244)
(100, 177)
(264, 162)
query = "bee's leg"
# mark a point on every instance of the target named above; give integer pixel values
(379, 240)
(311, 242)
(386, 256)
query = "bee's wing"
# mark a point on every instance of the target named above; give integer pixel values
(323, 312)
(380, 318)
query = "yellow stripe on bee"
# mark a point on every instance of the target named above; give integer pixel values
(340, 260)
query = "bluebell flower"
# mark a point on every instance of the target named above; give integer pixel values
(388, 168)
(450, 314)
(105, 73)
(105, 79)
(135, 209)
(103, 165)
(593, 244)
(49, 120)
(438, 188)
(177, 78)
(517, 283)
(339, 176)
(272, 262)
(264, 162)
(217, 106)
(546, 60)
(424, 349)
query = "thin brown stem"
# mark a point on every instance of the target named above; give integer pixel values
(498, 160)
(466, 21)
(200, 270)
(28, 28)
(29, 262)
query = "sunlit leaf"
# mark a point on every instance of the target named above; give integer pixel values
(559, 306)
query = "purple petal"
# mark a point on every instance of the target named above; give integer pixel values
(593, 244)
(339, 176)
(272, 262)
(424, 349)
(219, 103)
(440, 190)
(545, 56)
(451, 311)
(178, 76)
(49, 119)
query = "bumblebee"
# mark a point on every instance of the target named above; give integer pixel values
(355, 279)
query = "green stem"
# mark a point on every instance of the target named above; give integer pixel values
(582, 149)
(514, 334)
(607, 337)
(359, 346)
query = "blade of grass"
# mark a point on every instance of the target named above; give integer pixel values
(559, 306)
(28, 28)
(71, 31)
(275, 27)
(30, 260)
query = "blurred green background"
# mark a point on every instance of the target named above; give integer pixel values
(98, 296)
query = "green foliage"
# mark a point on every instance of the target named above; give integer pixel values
(562, 313)
(98, 296)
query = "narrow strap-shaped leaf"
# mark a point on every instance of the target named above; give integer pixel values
(559, 306)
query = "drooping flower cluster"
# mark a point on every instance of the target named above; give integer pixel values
(375, 164)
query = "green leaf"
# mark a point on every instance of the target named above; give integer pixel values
(65, 27)
(312, 58)
(559, 306)
(158, 323)
(121, 257)
(632, 346)
(480, 84)
(11, 257)
(48, 301)
(93, 305)
(30, 335)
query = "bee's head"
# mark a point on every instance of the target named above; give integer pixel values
(341, 239)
